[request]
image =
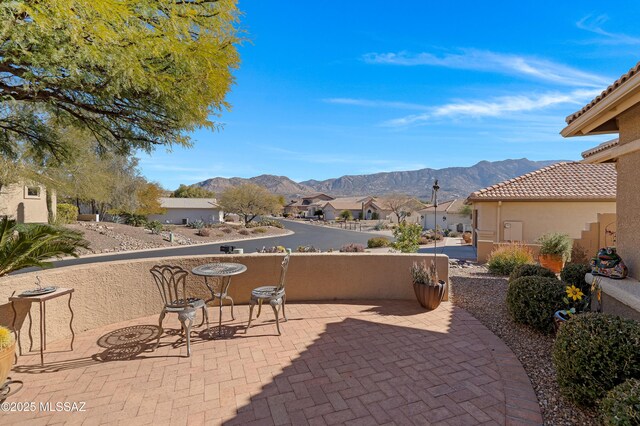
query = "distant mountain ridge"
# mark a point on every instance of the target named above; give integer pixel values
(454, 181)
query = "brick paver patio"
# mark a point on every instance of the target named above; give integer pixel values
(357, 363)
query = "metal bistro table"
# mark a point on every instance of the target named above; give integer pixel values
(42, 301)
(224, 271)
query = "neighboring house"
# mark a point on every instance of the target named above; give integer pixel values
(448, 215)
(186, 210)
(26, 203)
(564, 197)
(307, 206)
(332, 209)
(617, 110)
(601, 153)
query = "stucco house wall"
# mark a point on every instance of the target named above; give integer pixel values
(16, 203)
(628, 235)
(451, 220)
(537, 217)
(176, 216)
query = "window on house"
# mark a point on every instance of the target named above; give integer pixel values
(32, 192)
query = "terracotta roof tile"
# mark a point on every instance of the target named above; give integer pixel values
(633, 71)
(602, 147)
(561, 181)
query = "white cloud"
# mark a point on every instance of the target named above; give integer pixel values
(487, 61)
(374, 103)
(494, 108)
(594, 25)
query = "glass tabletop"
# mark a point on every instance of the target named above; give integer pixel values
(221, 269)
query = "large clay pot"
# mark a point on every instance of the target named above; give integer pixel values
(553, 262)
(6, 362)
(429, 295)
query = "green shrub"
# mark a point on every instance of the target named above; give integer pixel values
(407, 237)
(66, 213)
(555, 243)
(346, 215)
(504, 259)
(308, 249)
(621, 406)
(375, 216)
(593, 353)
(573, 274)
(352, 248)
(378, 242)
(533, 300)
(196, 224)
(155, 226)
(528, 270)
(134, 219)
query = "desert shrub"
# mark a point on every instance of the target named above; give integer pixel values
(593, 353)
(621, 406)
(375, 216)
(555, 243)
(573, 274)
(407, 237)
(155, 226)
(378, 242)
(226, 230)
(66, 213)
(352, 248)
(533, 301)
(258, 230)
(579, 255)
(134, 219)
(454, 234)
(204, 232)
(265, 222)
(504, 259)
(307, 249)
(528, 270)
(196, 224)
(346, 215)
(273, 249)
(244, 232)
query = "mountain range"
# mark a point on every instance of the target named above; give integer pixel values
(454, 181)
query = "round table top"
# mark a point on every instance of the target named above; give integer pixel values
(220, 269)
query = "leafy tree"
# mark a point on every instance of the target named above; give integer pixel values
(401, 205)
(149, 199)
(249, 201)
(407, 237)
(136, 73)
(466, 210)
(23, 246)
(346, 215)
(192, 191)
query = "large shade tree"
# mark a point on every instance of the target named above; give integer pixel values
(249, 201)
(135, 73)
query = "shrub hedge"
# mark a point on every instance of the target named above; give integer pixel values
(378, 242)
(621, 406)
(573, 274)
(533, 300)
(531, 271)
(593, 353)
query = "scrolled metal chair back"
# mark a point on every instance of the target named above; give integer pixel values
(283, 272)
(171, 282)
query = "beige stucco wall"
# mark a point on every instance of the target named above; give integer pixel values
(35, 208)
(111, 292)
(539, 217)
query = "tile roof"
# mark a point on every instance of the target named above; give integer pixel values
(619, 82)
(561, 181)
(450, 206)
(602, 147)
(188, 203)
(347, 203)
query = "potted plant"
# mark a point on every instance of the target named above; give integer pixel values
(555, 250)
(429, 290)
(7, 353)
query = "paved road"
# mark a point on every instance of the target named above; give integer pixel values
(321, 237)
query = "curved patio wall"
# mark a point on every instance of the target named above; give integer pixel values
(112, 292)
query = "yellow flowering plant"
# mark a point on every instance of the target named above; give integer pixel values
(6, 337)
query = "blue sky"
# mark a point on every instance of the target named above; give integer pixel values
(354, 87)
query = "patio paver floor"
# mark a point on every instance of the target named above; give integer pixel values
(345, 362)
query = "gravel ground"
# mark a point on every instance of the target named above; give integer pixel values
(483, 295)
(107, 237)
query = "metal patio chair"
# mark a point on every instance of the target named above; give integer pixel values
(171, 282)
(275, 295)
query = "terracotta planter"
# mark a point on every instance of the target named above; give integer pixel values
(429, 295)
(552, 262)
(6, 362)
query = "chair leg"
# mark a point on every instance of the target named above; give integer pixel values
(232, 316)
(275, 311)
(187, 322)
(252, 304)
(161, 319)
(284, 302)
(259, 308)
(204, 315)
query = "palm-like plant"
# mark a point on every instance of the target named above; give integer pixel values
(23, 246)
